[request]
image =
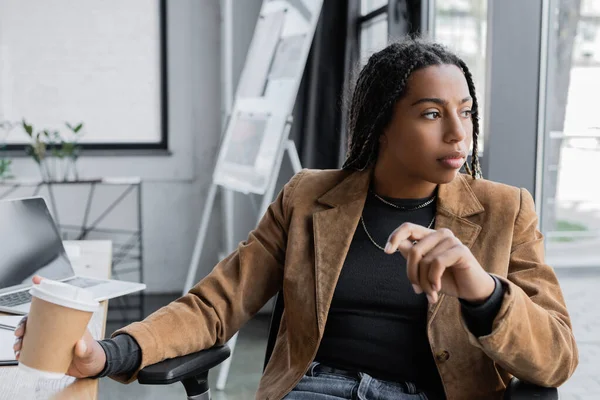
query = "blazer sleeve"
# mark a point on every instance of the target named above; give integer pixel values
(531, 336)
(216, 307)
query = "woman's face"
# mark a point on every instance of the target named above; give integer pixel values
(431, 128)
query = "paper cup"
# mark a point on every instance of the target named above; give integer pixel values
(57, 319)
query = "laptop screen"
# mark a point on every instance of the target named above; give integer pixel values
(30, 243)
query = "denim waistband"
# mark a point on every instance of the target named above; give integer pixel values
(318, 368)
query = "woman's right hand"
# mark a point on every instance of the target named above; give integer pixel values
(89, 357)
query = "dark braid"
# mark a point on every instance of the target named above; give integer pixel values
(475, 169)
(381, 83)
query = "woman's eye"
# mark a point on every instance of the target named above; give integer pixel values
(432, 115)
(467, 113)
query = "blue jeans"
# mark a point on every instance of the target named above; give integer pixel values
(324, 383)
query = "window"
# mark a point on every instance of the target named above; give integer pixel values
(570, 195)
(100, 63)
(367, 6)
(461, 25)
(373, 28)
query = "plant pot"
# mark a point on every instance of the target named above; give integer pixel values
(43, 165)
(69, 171)
(58, 169)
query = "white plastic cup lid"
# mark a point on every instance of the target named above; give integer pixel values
(65, 295)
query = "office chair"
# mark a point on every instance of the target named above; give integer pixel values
(192, 369)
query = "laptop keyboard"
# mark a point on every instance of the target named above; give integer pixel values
(15, 299)
(18, 298)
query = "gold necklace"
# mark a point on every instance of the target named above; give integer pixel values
(362, 221)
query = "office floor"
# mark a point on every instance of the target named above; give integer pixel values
(579, 286)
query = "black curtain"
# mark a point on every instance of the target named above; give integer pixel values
(316, 129)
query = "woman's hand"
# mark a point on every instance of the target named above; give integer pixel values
(88, 356)
(436, 261)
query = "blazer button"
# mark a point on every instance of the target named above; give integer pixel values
(442, 356)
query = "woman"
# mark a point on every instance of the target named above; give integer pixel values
(402, 278)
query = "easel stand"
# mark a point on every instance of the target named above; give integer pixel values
(287, 145)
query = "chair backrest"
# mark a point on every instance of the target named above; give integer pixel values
(274, 327)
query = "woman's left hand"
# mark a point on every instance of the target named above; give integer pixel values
(439, 262)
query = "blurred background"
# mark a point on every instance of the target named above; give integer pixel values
(115, 111)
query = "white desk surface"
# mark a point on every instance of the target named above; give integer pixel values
(91, 258)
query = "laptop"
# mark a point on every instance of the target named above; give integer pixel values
(30, 244)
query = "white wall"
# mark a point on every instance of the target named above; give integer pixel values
(174, 186)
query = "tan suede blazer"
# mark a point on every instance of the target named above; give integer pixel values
(300, 245)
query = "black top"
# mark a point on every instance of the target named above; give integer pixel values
(376, 323)
(123, 356)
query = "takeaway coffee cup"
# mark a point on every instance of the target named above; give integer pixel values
(57, 319)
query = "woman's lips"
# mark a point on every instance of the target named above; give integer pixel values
(452, 162)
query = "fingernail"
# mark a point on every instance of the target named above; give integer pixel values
(17, 340)
(435, 287)
(17, 354)
(417, 289)
(430, 298)
(388, 247)
(84, 347)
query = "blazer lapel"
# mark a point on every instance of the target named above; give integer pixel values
(334, 229)
(456, 201)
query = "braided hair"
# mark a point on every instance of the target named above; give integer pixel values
(381, 83)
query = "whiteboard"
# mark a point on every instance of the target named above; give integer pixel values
(71, 60)
(266, 94)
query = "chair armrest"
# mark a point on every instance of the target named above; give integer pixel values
(184, 367)
(519, 390)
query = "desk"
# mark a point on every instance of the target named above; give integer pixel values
(94, 260)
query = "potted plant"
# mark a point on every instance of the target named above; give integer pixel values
(55, 156)
(5, 163)
(70, 150)
(37, 149)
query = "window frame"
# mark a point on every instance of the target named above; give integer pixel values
(363, 20)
